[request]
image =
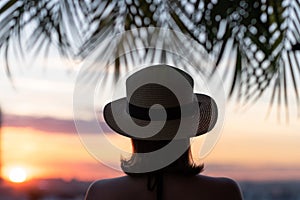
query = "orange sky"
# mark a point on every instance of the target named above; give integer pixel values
(48, 155)
(241, 153)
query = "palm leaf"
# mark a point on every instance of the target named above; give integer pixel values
(52, 22)
(262, 32)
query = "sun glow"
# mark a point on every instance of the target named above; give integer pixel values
(17, 175)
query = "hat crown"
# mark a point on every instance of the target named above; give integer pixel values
(160, 84)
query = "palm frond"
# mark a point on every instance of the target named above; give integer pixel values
(260, 31)
(48, 22)
(262, 36)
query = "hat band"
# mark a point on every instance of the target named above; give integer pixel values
(172, 112)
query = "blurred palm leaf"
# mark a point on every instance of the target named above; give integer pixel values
(257, 34)
(42, 23)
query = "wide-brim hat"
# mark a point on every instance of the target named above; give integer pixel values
(160, 105)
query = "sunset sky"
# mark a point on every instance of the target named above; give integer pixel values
(39, 134)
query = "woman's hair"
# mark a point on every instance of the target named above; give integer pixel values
(183, 165)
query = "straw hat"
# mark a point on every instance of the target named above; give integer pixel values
(181, 114)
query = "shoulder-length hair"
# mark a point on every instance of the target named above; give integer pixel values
(184, 165)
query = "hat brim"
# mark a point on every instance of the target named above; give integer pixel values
(196, 124)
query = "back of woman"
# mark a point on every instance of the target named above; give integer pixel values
(161, 166)
(175, 187)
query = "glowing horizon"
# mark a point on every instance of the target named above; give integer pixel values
(59, 155)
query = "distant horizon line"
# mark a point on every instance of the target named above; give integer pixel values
(67, 180)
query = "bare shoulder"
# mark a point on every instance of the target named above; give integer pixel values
(225, 186)
(102, 189)
(199, 186)
(115, 188)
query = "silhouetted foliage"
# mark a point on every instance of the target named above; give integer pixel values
(261, 36)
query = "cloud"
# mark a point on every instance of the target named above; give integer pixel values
(51, 125)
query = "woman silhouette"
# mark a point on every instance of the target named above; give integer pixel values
(162, 166)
